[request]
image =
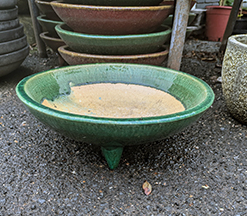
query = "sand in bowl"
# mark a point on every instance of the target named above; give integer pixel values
(117, 100)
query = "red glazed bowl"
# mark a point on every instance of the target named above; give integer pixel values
(76, 58)
(104, 20)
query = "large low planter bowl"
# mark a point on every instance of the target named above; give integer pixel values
(234, 77)
(52, 42)
(46, 9)
(11, 34)
(48, 25)
(75, 58)
(11, 61)
(115, 2)
(112, 134)
(6, 4)
(114, 44)
(106, 20)
(9, 14)
(9, 24)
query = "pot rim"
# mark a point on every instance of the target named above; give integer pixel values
(234, 40)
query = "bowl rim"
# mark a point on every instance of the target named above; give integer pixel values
(59, 29)
(43, 18)
(61, 4)
(29, 102)
(47, 36)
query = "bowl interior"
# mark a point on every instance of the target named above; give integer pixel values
(193, 93)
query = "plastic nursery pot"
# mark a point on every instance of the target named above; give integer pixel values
(234, 77)
(216, 21)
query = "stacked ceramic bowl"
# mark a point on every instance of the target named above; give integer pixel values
(13, 42)
(127, 31)
(48, 19)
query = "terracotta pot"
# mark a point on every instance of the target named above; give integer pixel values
(216, 21)
(234, 77)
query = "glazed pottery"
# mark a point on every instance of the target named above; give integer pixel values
(106, 20)
(234, 77)
(11, 34)
(75, 58)
(11, 61)
(168, 20)
(115, 2)
(9, 14)
(13, 45)
(216, 21)
(48, 25)
(9, 24)
(51, 42)
(114, 44)
(7, 4)
(112, 134)
(46, 9)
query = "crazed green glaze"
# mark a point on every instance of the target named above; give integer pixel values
(111, 133)
(114, 44)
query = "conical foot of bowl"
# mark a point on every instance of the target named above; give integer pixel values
(112, 155)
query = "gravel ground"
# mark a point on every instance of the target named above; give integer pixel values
(200, 171)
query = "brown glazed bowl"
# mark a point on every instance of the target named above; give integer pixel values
(53, 43)
(46, 9)
(115, 2)
(75, 58)
(104, 20)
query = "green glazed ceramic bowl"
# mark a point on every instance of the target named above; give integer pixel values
(48, 25)
(114, 44)
(112, 134)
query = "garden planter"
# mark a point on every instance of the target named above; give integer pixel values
(9, 14)
(240, 26)
(216, 21)
(11, 34)
(234, 77)
(11, 61)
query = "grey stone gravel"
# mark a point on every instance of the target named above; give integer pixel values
(200, 171)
